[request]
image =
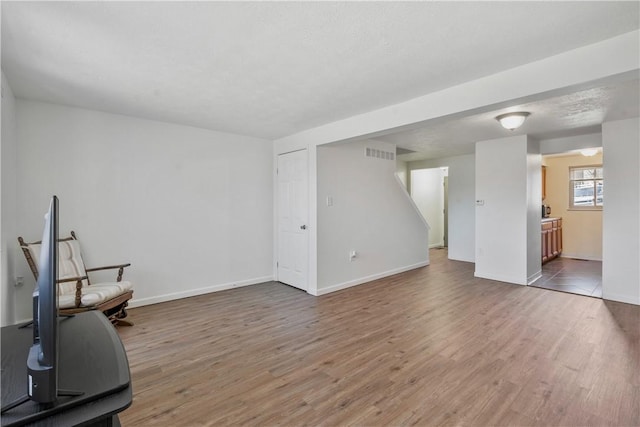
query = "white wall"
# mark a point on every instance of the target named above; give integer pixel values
(371, 214)
(501, 219)
(570, 143)
(462, 211)
(190, 208)
(402, 172)
(621, 211)
(534, 199)
(427, 192)
(609, 60)
(8, 244)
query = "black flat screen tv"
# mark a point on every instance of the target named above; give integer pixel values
(42, 362)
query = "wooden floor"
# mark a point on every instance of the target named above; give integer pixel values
(433, 346)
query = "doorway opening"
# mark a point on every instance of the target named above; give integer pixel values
(572, 232)
(429, 190)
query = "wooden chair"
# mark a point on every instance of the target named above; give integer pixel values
(76, 293)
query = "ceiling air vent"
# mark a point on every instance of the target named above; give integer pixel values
(380, 154)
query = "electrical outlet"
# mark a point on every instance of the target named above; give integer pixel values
(19, 281)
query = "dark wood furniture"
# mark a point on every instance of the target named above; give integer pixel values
(114, 308)
(551, 238)
(92, 360)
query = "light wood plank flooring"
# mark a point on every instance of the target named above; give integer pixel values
(433, 346)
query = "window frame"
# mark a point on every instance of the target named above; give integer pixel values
(595, 206)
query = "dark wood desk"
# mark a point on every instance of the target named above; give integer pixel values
(92, 360)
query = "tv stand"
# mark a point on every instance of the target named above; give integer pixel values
(91, 360)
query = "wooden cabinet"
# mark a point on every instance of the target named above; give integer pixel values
(551, 238)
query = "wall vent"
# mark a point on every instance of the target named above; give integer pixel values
(380, 154)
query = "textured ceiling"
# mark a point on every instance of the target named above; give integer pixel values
(272, 69)
(577, 113)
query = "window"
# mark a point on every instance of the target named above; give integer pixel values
(586, 187)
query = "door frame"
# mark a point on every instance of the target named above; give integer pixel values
(439, 188)
(310, 284)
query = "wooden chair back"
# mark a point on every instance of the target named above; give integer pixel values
(113, 307)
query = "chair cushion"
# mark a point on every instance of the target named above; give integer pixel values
(95, 294)
(70, 264)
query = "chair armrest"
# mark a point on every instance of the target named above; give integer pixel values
(120, 268)
(73, 279)
(78, 280)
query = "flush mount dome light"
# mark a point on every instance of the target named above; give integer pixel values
(512, 121)
(588, 152)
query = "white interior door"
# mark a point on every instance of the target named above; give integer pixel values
(293, 215)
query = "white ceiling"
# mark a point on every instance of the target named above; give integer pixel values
(272, 69)
(576, 113)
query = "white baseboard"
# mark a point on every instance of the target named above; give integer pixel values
(499, 278)
(534, 277)
(17, 322)
(576, 256)
(366, 279)
(579, 256)
(620, 298)
(194, 292)
(455, 258)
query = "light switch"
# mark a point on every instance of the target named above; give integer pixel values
(329, 200)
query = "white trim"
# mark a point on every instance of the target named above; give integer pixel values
(620, 298)
(499, 278)
(367, 279)
(594, 207)
(312, 266)
(200, 291)
(580, 257)
(535, 276)
(274, 229)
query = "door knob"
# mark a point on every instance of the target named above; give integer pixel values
(303, 227)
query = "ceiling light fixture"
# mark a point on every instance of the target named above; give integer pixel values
(512, 121)
(588, 152)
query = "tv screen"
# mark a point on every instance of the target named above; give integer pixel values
(42, 361)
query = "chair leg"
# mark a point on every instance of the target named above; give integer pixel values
(120, 322)
(117, 315)
(120, 316)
